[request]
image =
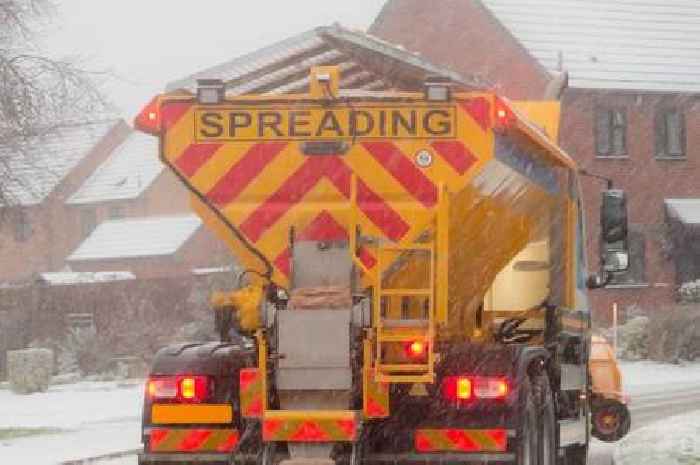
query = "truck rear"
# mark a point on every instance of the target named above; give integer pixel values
(414, 287)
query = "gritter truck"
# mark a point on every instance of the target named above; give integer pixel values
(414, 286)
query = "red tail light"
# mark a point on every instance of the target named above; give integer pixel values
(149, 120)
(416, 349)
(504, 115)
(463, 388)
(182, 388)
(457, 388)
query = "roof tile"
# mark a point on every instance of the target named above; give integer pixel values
(649, 45)
(283, 66)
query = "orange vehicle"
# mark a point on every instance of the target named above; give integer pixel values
(610, 417)
(415, 285)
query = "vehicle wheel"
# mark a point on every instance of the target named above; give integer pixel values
(611, 421)
(526, 453)
(547, 447)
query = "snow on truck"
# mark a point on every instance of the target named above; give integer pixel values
(414, 287)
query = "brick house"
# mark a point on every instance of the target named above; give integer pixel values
(630, 111)
(135, 216)
(36, 233)
(110, 235)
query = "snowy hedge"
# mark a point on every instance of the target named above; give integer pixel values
(666, 335)
(632, 339)
(689, 292)
(675, 334)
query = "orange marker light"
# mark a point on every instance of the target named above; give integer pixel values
(464, 388)
(187, 388)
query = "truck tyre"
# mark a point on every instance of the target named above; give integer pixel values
(611, 421)
(547, 447)
(527, 438)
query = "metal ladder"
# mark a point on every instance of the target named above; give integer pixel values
(406, 331)
(403, 331)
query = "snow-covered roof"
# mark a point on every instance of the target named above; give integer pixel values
(36, 168)
(126, 174)
(67, 278)
(366, 63)
(211, 270)
(137, 237)
(650, 45)
(685, 210)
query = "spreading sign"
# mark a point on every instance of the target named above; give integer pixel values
(248, 124)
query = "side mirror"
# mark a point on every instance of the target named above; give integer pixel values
(614, 252)
(613, 216)
(613, 231)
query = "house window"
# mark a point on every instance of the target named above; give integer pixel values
(116, 212)
(22, 226)
(636, 273)
(670, 134)
(88, 221)
(611, 132)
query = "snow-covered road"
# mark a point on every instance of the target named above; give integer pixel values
(95, 419)
(658, 393)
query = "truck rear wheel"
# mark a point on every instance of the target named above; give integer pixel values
(527, 450)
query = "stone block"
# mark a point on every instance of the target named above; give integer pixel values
(29, 370)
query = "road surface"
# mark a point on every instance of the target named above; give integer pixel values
(647, 408)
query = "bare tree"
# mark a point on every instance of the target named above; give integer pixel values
(37, 94)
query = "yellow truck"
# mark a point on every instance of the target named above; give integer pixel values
(415, 284)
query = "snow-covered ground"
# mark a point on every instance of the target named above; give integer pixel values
(673, 441)
(91, 419)
(70, 422)
(646, 377)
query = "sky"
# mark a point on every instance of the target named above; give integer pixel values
(144, 44)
